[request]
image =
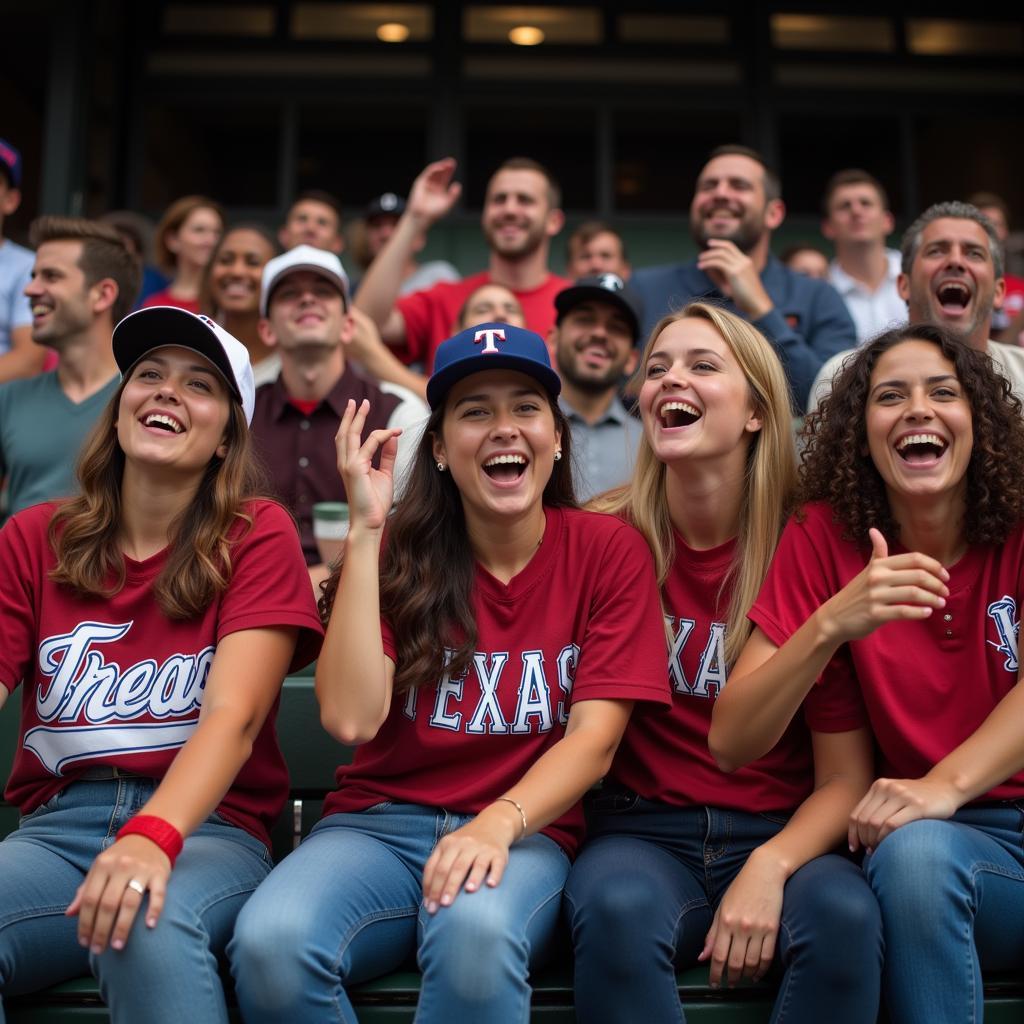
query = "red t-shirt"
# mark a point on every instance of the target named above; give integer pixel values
(165, 298)
(430, 315)
(666, 757)
(924, 686)
(113, 681)
(580, 622)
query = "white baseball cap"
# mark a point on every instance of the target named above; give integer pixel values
(156, 326)
(303, 257)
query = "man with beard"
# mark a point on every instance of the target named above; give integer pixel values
(952, 275)
(305, 317)
(521, 215)
(736, 206)
(594, 344)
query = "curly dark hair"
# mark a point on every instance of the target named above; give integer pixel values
(837, 469)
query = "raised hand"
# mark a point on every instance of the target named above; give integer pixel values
(370, 491)
(890, 803)
(433, 193)
(890, 588)
(112, 893)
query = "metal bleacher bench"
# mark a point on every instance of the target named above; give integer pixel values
(312, 756)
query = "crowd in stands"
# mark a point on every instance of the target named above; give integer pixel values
(175, 407)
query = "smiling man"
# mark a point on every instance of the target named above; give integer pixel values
(736, 206)
(952, 275)
(856, 219)
(306, 318)
(594, 345)
(84, 281)
(313, 219)
(522, 213)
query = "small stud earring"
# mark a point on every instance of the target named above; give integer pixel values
(558, 454)
(440, 467)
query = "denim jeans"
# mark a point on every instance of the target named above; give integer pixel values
(167, 973)
(952, 899)
(347, 906)
(642, 895)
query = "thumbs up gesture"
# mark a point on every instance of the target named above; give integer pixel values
(889, 588)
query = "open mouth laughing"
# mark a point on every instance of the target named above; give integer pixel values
(677, 413)
(954, 297)
(506, 468)
(161, 421)
(921, 449)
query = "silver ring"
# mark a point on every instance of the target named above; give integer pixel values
(136, 886)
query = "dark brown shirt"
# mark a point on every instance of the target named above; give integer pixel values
(299, 450)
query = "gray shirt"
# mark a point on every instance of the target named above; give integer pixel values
(41, 434)
(604, 452)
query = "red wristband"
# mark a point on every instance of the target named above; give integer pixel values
(156, 830)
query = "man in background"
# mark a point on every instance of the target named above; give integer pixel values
(736, 206)
(594, 344)
(596, 248)
(857, 221)
(18, 356)
(84, 280)
(522, 213)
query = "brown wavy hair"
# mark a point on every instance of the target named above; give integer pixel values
(838, 469)
(427, 566)
(85, 530)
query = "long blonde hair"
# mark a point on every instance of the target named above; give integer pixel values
(768, 486)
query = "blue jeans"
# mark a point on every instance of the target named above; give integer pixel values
(952, 899)
(642, 895)
(167, 973)
(347, 906)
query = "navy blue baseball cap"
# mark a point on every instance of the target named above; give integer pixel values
(493, 346)
(10, 160)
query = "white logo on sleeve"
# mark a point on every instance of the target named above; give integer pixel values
(1004, 614)
(87, 702)
(489, 335)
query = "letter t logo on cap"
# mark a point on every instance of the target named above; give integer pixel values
(489, 336)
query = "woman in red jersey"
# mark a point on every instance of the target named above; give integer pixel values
(684, 862)
(150, 623)
(485, 653)
(898, 588)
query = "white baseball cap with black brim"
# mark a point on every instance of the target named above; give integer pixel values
(159, 326)
(494, 346)
(303, 257)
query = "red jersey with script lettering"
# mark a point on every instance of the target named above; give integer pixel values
(666, 757)
(925, 686)
(430, 315)
(113, 681)
(581, 622)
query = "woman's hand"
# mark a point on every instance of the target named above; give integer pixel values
(469, 856)
(890, 587)
(741, 940)
(109, 898)
(890, 803)
(370, 491)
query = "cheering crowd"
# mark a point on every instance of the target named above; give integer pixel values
(623, 671)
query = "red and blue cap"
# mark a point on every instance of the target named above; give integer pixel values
(10, 161)
(494, 346)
